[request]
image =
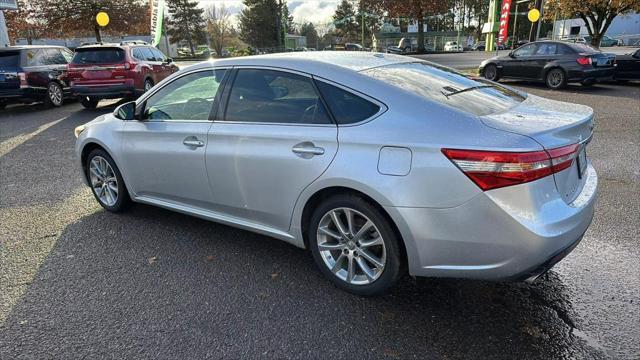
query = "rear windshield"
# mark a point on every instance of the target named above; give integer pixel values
(9, 58)
(584, 48)
(98, 56)
(446, 86)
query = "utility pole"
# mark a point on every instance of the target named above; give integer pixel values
(362, 28)
(278, 23)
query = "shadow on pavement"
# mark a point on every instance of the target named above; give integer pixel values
(153, 283)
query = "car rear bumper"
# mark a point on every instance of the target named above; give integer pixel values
(104, 91)
(513, 233)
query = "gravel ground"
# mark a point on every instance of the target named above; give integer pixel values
(78, 282)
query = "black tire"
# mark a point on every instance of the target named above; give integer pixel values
(555, 79)
(123, 201)
(89, 102)
(148, 84)
(2, 105)
(393, 264)
(55, 96)
(490, 72)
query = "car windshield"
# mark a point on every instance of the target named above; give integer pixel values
(9, 58)
(449, 87)
(104, 55)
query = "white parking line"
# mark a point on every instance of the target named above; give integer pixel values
(11, 143)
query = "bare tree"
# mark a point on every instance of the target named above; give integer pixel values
(219, 25)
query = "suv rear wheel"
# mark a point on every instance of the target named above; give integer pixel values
(54, 94)
(89, 102)
(148, 84)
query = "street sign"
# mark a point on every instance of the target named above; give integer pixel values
(8, 4)
(505, 11)
(102, 18)
(533, 15)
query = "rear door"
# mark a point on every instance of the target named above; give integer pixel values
(275, 139)
(544, 53)
(165, 68)
(164, 152)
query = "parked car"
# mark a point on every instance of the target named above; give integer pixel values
(553, 62)
(606, 41)
(34, 73)
(116, 71)
(320, 150)
(452, 46)
(353, 47)
(479, 46)
(628, 66)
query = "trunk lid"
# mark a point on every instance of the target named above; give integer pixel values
(552, 124)
(9, 67)
(602, 60)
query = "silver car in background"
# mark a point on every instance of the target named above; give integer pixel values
(378, 164)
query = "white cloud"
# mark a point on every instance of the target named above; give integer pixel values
(316, 11)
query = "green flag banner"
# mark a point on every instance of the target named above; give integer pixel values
(157, 17)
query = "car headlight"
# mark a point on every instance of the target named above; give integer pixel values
(78, 130)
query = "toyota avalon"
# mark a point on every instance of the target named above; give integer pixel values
(378, 164)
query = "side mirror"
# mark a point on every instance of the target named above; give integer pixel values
(169, 60)
(511, 55)
(126, 111)
(636, 55)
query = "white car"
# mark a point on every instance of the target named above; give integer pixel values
(452, 46)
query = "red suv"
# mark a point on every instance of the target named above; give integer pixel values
(116, 71)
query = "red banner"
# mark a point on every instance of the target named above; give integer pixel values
(504, 21)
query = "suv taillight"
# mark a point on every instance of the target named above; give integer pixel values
(583, 60)
(23, 80)
(493, 169)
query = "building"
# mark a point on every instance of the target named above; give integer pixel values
(295, 41)
(625, 27)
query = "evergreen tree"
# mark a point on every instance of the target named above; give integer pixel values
(309, 31)
(287, 20)
(259, 23)
(186, 23)
(345, 21)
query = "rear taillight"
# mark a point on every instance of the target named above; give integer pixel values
(493, 169)
(583, 60)
(23, 80)
(130, 65)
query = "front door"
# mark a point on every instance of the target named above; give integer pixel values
(275, 140)
(163, 153)
(516, 66)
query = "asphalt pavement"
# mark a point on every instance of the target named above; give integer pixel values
(79, 282)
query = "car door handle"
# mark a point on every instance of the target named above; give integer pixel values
(307, 149)
(193, 142)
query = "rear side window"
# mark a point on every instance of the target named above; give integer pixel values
(54, 57)
(546, 49)
(9, 58)
(269, 96)
(104, 55)
(346, 107)
(36, 57)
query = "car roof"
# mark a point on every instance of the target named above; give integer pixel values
(314, 62)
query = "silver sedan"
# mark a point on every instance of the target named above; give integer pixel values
(378, 164)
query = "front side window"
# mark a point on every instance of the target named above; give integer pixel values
(158, 55)
(189, 98)
(526, 50)
(346, 107)
(446, 86)
(269, 96)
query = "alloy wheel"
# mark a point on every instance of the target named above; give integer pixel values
(490, 72)
(147, 85)
(103, 181)
(55, 94)
(351, 246)
(555, 78)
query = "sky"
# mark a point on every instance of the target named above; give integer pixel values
(315, 11)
